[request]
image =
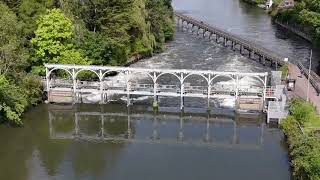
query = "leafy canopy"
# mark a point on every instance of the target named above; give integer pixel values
(53, 41)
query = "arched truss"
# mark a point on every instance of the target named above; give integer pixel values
(194, 74)
(227, 76)
(109, 71)
(81, 70)
(255, 77)
(180, 80)
(49, 73)
(146, 73)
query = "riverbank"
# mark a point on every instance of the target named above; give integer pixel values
(303, 143)
(301, 19)
(294, 30)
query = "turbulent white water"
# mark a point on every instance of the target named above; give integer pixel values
(188, 51)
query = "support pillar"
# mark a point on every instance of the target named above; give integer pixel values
(128, 88)
(252, 54)
(48, 84)
(155, 104)
(241, 49)
(225, 42)
(101, 88)
(233, 46)
(181, 92)
(263, 60)
(209, 92)
(74, 86)
(265, 88)
(237, 92)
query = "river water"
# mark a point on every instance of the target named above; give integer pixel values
(115, 142)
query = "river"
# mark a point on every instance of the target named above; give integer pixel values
(115, 142)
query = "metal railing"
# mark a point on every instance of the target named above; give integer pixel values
(314, 78)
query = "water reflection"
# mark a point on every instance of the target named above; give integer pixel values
(167, 128)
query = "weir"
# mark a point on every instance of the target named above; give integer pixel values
(72, 90)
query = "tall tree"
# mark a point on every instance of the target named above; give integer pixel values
(12, 55)
(53, 41)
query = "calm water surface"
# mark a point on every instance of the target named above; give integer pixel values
(113, 142)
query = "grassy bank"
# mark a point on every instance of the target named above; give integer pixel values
(303, 145)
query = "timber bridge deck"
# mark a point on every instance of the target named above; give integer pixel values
(241, 43)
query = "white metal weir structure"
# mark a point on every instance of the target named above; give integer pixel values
(235, 90)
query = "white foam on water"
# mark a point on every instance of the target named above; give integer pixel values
(228, 102)
(141, 98)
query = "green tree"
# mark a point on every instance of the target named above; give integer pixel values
(12, 101)
(53, 41)
(12, 55)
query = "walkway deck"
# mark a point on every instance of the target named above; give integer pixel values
(301, 87)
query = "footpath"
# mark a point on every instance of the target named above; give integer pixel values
(301, 87)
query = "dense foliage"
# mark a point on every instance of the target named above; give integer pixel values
(304, 147)
(305, 15)
(100, 32)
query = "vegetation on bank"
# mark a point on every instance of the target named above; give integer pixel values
(305, 16)
(99, 32)
(304, 146)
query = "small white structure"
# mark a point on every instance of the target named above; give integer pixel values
(269, 4)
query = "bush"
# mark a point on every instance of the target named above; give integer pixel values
(12, 101)
(304, 112)
(304, 149)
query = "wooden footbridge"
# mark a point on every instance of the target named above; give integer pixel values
(244, 46)
(73, 89)
(228, 39)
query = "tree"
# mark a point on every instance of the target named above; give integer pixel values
(12, 101)
(53, 41)
(29, 12)
(12, 55)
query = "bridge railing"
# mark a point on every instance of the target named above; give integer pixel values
(314, 78)
(218, 89)
(248, 44)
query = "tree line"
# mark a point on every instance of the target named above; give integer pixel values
(97, 32)
(305, 15)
